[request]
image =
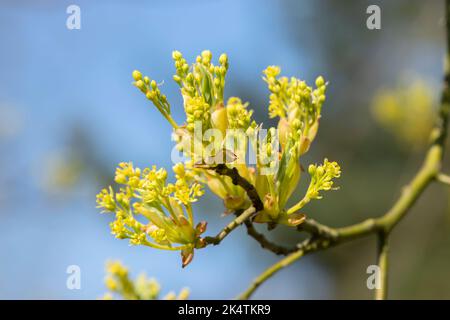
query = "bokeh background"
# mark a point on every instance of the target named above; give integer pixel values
(69, 114)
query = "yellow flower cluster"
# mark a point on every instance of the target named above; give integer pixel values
(166, 207)
(322, 178)
(407, 112)
(277, 171)
(204, 79)
(297, 105)
(293, 95)
(118, 282)
(275, 174)
(151, 90)
(237, 114)
(197, 110)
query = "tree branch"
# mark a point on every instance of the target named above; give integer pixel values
(230, 227)
(265, 243)
(326, 236)
(238, 180)
(317, 229)
(383, 250)
(272, 270)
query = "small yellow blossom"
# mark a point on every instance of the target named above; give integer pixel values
(322, 178)
(238, 115)
(118, 282)
(166, 207)
(407, 112)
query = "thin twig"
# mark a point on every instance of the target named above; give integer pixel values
(443, 178)
(230, 227)
(265, 243)
(317, 229)
(383, 250)
(271, 271)
(257, 204)
(238, 180)
(334, 236)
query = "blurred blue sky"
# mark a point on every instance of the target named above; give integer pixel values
(53, 80)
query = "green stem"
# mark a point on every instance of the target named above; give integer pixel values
(170, 119)
(265, 243)
(268, 273)
(252, 194)
(162, 247)
(328, 236)
(165, 114)
(383, 251)
(231, 226)
(190, 214)
(298, 206)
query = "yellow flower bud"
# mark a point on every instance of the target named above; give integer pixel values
(320, 81)
(206, 56)
(283, 132)
(176, 55)
(184, 294)
(141, 85)
(219, 119)
(137, 75)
